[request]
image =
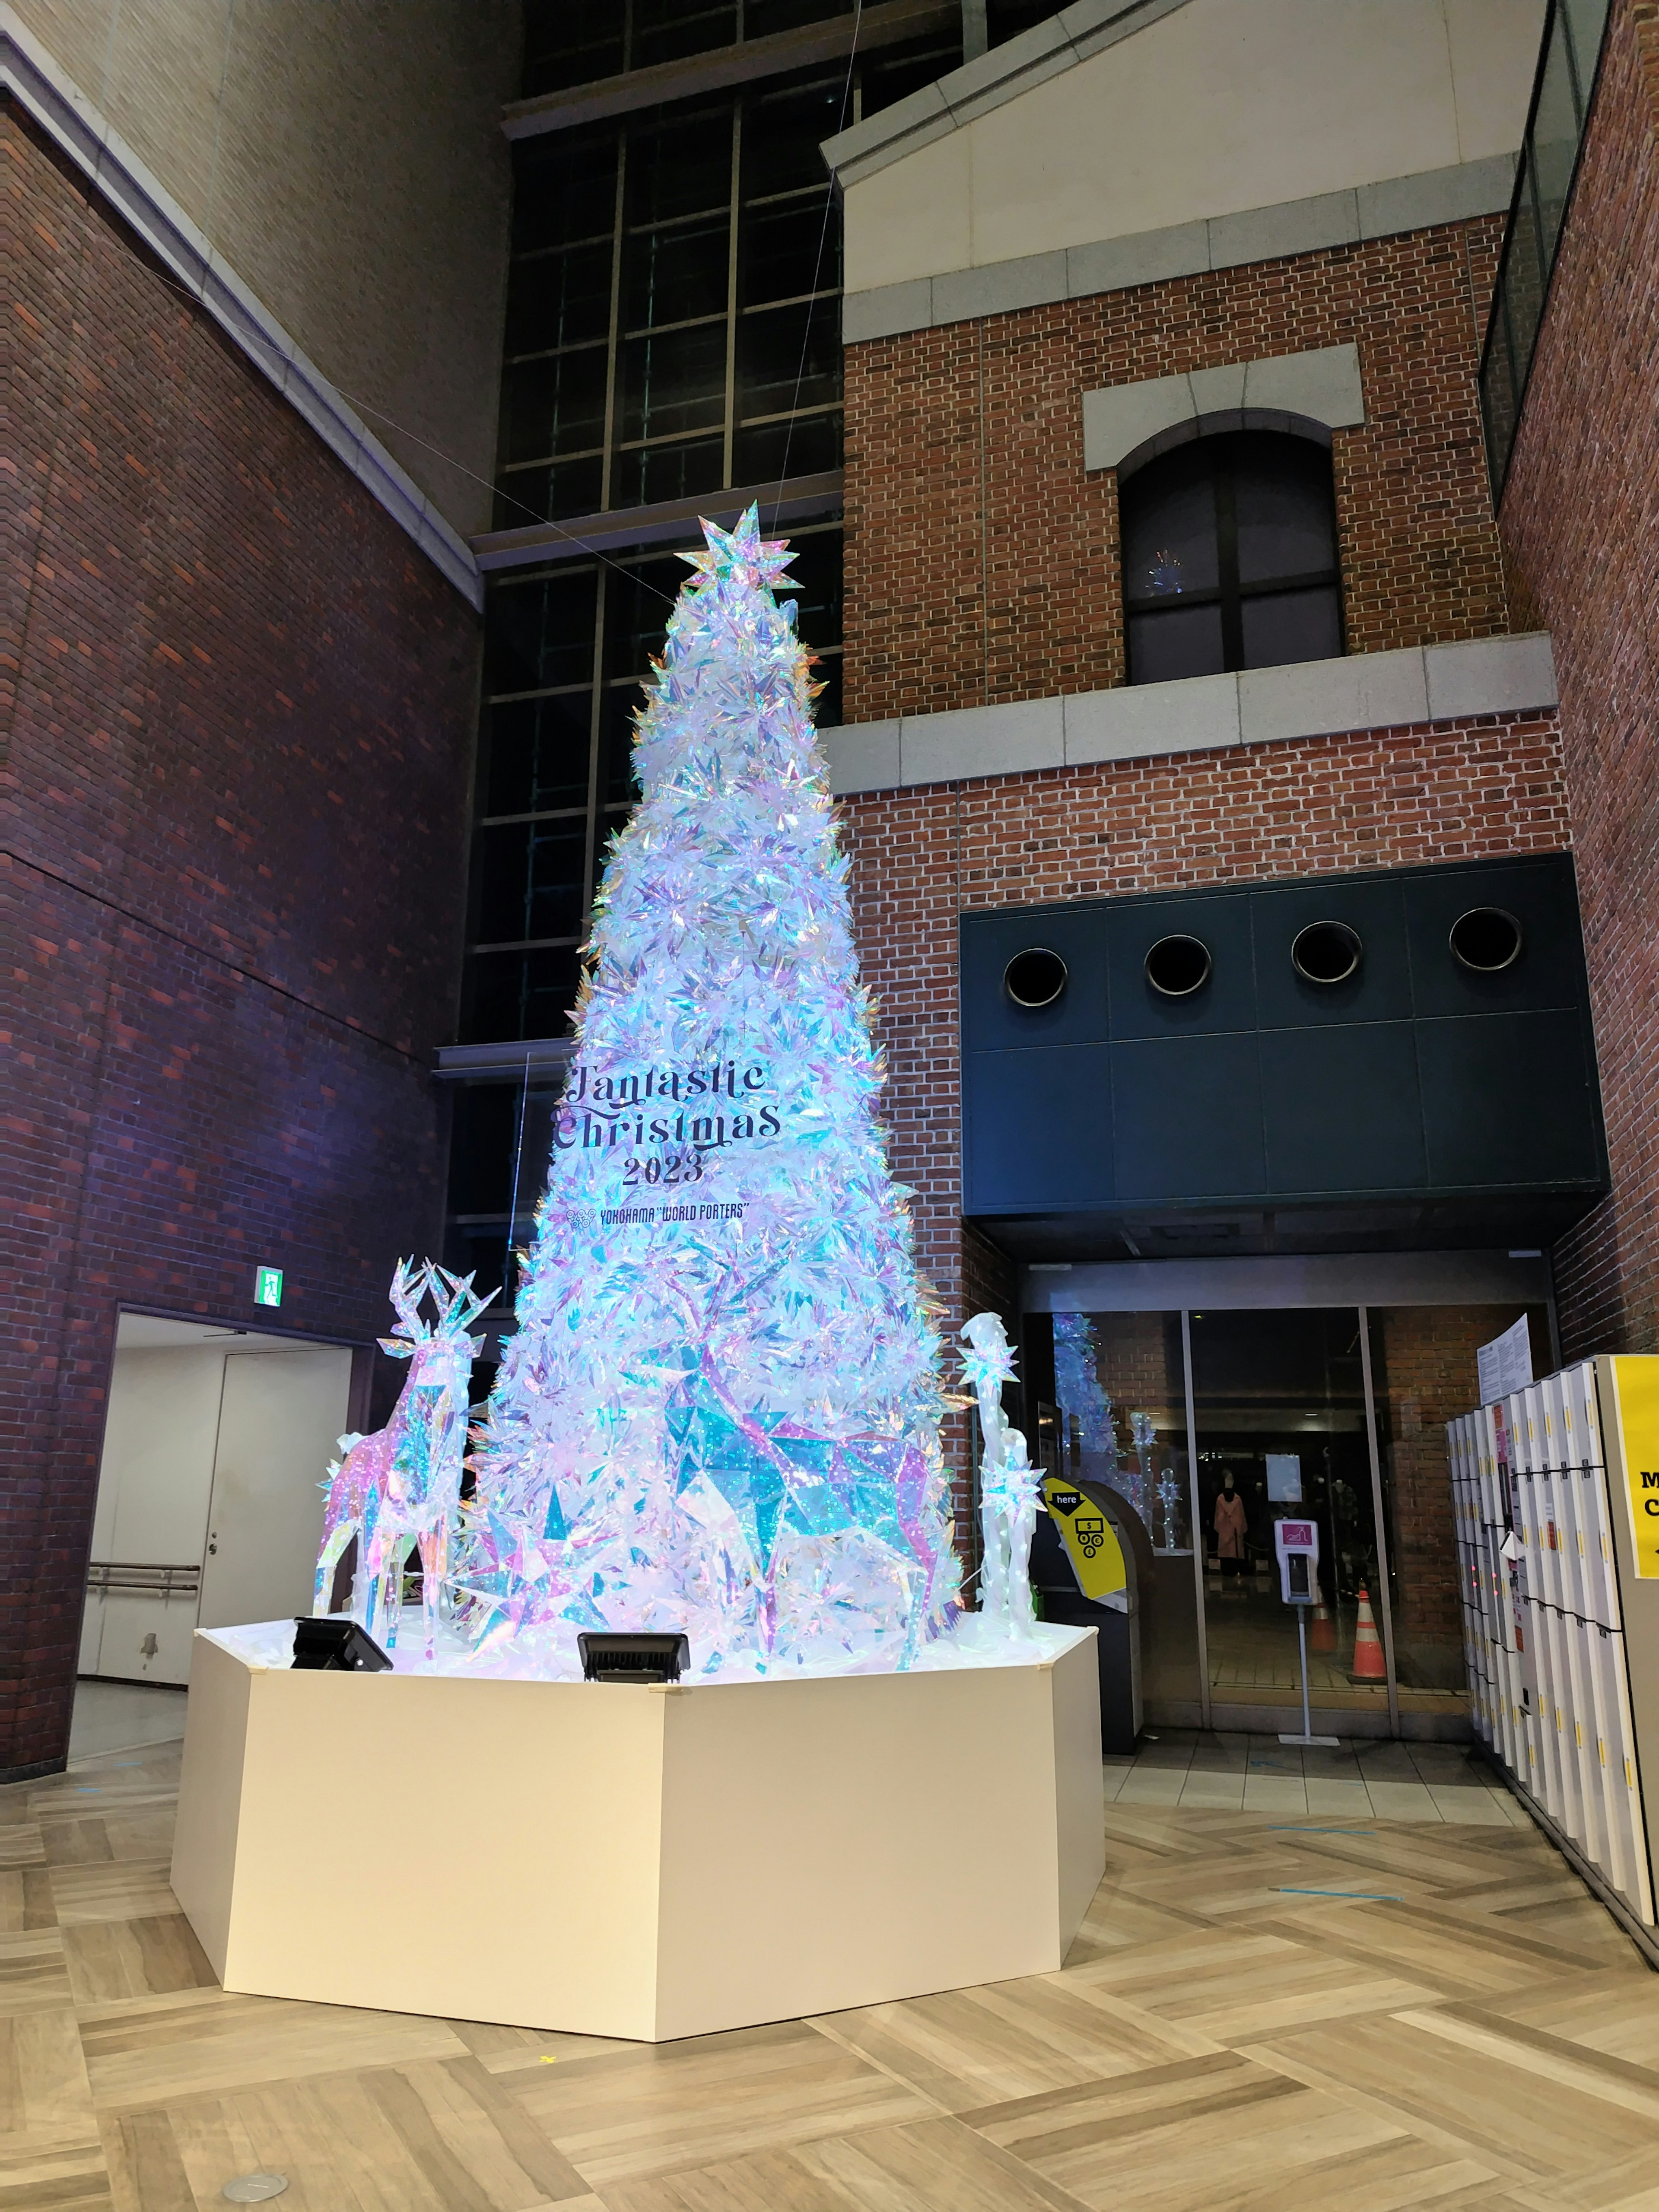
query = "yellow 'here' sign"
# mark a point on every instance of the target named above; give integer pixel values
(1637, 1384)
(1090, 1541)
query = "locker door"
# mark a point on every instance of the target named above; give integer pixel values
(1641, 1892)
(1589, 1739)
(1618, 1769)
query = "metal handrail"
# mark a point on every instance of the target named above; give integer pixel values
(141, 1576)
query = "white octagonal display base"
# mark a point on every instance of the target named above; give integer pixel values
(648, 1862)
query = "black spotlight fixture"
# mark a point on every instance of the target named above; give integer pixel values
(1034, 977)
(334, 1644)
(1326, 953)
(1486, 939)
(613, 1657)
(1178, 966)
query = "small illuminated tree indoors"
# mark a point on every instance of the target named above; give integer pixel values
(719, 1410)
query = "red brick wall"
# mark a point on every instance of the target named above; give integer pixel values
(1375, 799)
(982, 561)
(1426, 1376)
(1581, 522)
(244, 716)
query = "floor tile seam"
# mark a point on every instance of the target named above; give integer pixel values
(1445, 1988)
(1170, 2073)
(1551, 1955)
(1144, 2021)
(1425, 2130)
(106, 2061)
(1060, 2196)
(730, 2150)
(1641, 2088)
(892, 2074)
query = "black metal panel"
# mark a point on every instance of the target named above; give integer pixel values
(1508, 1099)
(989, 1016)
(1187, 1117)
(1226, 1001)
(1370, 906)
(1421, 1097)
(1550, 970)
(1343, 1109)
(1041, 1131)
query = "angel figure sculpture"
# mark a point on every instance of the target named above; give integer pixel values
(403, 1483)
(1008, 1488)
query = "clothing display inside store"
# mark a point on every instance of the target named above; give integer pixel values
(1231, 1522)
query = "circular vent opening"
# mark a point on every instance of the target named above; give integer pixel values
(1326, 953)
(1035, 978)
(1178, 966)
(1486, 939)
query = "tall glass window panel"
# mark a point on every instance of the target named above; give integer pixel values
(529, 880)
(806, 446)
(552, 402)
(538, 633)
(679, 167)
(674, 381)
(570, 42)
(1555, 133)
(1106, 1399)
(1230, 557)
(788, 357)
(521, 993)
(761, 18)
(677, 274)
(782, 132)
(1280, 1406)
(536, 754)
(644, 476)
(558, 298)
(564, 189)
(668, 30)
(791, 248)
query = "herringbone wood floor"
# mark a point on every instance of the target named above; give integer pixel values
(1469, 2030)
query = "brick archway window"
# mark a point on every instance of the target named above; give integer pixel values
(1230, 557)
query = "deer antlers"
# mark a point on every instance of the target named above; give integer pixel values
(459, 1305)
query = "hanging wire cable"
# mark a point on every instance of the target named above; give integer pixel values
(246, 336)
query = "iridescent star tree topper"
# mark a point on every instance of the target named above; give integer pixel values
(721, 1411)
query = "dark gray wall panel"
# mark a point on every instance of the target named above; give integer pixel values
(1227, 1001)
(1418, 1084)
(1187, 1117)
(989, 1016)
(1342, 1108)
(1381, 992)
(1507, 1098)
(1041, 1132)
(1550, 971)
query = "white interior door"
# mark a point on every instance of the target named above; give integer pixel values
(150, 1523)
(280, 1416)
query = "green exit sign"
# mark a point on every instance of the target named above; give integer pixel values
(267, 1286)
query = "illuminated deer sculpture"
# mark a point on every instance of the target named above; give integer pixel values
(403, 1483)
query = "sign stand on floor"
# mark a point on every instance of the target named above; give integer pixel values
(1296, 1545)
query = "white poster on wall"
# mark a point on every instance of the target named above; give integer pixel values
(1505, 1363)
(1285, 1478)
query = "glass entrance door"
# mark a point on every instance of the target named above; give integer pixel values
(1279, 1399)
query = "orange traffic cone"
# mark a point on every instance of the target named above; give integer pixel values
(1367, 1665)
(1321, 1629)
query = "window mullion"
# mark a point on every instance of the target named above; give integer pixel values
(1226, 537)
(733, 220)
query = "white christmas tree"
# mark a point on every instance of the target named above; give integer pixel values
(719, 1410)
